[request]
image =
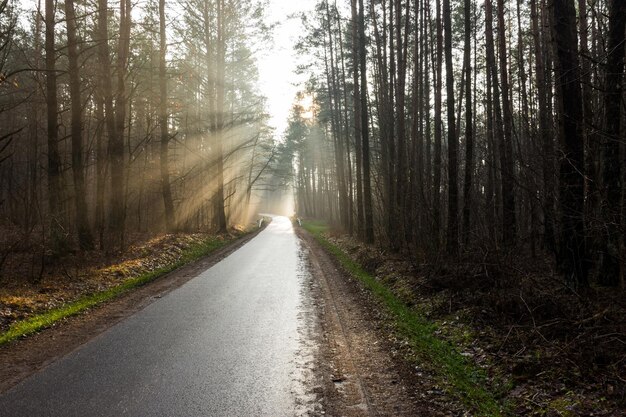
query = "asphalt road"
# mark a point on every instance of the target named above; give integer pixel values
(227, 343)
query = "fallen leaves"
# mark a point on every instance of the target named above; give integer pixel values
(75, 276)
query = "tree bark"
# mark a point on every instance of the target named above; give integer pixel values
(400, 107)
(54, 160)
(508, 173)
(545, 137)
(367, 188)
(219, 210)
(116, 142)
(360, 217)
(107, 99)
(452, 242)
(85, 238)
(572, 252)
(498, 148)
(438, 124)
(469, 134)
(165, 137)
(335, 117)
(611, 268)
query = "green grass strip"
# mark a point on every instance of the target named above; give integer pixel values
(467, 381)
(41, 321)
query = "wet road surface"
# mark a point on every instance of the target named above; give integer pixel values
(227, 343)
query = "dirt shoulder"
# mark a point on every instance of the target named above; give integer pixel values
(544, 349)
(362, 367)
(23, 357)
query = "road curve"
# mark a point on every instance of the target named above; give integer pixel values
(227, 343)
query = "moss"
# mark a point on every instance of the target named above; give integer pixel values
(565, 406)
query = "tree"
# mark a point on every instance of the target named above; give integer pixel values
(365, 147)
(611, 268)
(165, 137)
(572, 253)
(545, 137)
(499, 135)
(469, 134)
(54, 160)
(106, 94)
(438, 124)
(116, 141)
(508, 172)
(220, 80)
(453, 194)
(85, 237)
(356, 99)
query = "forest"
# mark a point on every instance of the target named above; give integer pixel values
(445, 128)
(474, 146)
(423, 127)
(109, 128)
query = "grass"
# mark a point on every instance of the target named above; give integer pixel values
(467, 382)
(43, 320)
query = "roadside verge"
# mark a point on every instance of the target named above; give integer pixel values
(55, 333)
(460, 378)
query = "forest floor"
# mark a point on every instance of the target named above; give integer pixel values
(29, 288)
(545, 350)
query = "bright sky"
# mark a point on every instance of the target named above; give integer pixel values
(277, 66)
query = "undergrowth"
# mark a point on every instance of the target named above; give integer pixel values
(46, 319)
(467, 381)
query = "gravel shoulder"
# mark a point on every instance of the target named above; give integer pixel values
(363, 370)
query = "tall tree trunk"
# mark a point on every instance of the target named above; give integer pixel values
(469, 134)
(116, 142)
(401, 170)
(544, 134)
(165, 137)
(508, 174)
(85, 238)
(593, 153)
(426, 109)
(336, 121)
(107, 98)
(393, 208)
(356, 61)
(611, 267)
(367, 188)
(382, 93)
(219, 210)
(345, 140)
(571, 191)
(497, 109)
(100, 167)
(54, 160)
(438, 125)
(32, 209)
(452, 242)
